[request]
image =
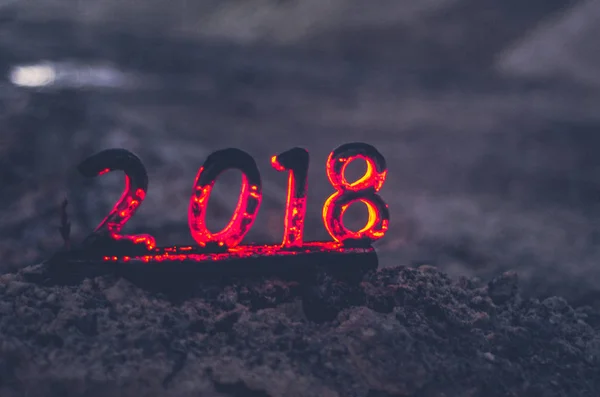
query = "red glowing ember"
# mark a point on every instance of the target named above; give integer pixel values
(248, 202)
(363, 190)
(196, 254)
(136, 185)
(224, 244)
(296, 162)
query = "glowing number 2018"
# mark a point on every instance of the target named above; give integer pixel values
(295, 161)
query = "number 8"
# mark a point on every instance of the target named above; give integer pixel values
(363, 190)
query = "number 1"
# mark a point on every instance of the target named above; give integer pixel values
(296, 162)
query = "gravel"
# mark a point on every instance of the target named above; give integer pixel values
(399, 332)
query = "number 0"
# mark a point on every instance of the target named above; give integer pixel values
(247, 206)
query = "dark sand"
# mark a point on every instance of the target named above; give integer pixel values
(401, 332)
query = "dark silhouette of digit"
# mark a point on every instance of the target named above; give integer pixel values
(136, 186)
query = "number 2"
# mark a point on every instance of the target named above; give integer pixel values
(136, 186)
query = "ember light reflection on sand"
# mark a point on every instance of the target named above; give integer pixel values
(108, 244)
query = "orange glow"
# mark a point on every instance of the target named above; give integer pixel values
(145, 239)
(363, 190)
(247, 206)
(336, 172)
(296, 162)
(275, 164)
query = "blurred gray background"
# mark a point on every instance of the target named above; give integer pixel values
(487, 111)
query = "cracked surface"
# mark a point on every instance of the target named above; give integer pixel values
(400, 332)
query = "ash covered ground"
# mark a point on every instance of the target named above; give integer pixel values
(399, 332)
(485, 111)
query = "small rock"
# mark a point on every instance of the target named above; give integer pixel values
(226, 321)
(489, 356)
(555, 303)
(87, 324)
(17, 287)
(119, 292)
(504, 288)
(41, 294)
(428, 269)
(481, 319)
